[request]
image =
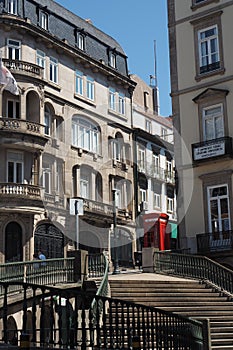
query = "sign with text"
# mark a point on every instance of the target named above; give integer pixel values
(76, 205)
(209, 151)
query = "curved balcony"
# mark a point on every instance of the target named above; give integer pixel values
(22, 126)
(15, 193)
(23, 67)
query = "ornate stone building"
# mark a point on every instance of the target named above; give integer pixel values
(66, 135)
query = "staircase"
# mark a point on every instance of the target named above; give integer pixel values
(189, 298)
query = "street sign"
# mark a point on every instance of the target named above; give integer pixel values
(76, 206)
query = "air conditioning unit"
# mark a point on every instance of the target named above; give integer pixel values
(144, 206)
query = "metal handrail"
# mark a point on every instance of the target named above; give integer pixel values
(117, 324)
(46, 272)
(194, 266)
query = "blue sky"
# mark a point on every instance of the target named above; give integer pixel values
(136, 25)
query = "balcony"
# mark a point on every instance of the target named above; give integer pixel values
(22, 67)
(209, 150)
(22, 127)
(13, 192)
(214, 242)
(103, 212)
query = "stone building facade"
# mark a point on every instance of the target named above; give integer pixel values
(202, 83)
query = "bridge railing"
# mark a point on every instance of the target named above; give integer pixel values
(194, 266)
(66, 322)
(44, 272)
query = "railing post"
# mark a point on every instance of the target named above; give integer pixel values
(80, 264)
(206, 334)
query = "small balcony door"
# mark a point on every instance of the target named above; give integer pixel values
(219, 216)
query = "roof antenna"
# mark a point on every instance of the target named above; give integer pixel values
(154, 85)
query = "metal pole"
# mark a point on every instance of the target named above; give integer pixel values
(116, 262)
(77, 224)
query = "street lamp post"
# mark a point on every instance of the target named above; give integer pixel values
(116, 257)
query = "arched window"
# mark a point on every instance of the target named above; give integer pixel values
(85, 134)
(13, 242)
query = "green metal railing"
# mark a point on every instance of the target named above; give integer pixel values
(46, 272)
(194, 266)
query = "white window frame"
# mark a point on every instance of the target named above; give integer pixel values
(41, 59)
(90, 88)
(208, 58)
(53, 70)
(170, 205)
(141, 159)
(112, 99)
(47, 179)
(81, 41)
(156, 163)
(121, 99)
(47, 123)
(18, 162)
(148, 125)
(218, 198)
(12, 7)
(84, 187)
(217, 130)
(44, 19)
(164, 134)
(14, 49)
(79, 84)
(116, 149)
(157, 200)
(85, 135)
(112, 60)
(142, 195)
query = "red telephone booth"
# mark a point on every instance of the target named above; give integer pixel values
(164, 241)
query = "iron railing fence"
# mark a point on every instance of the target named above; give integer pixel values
(194, 266)
(214, 241)
(46, 272)
(96, 265)
(62, 319)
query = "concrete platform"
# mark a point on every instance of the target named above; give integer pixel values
(140, 275)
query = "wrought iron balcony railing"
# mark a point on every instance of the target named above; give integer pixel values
(214, 242)
(23, 67)
(210, 149)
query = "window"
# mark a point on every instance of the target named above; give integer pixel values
(141, 159)
(112, 60)
(170, 199)
(112, 99)
(155, 164)
(90, 88)
(14, 49)
(12, 109)
(44, 20)
(164, 134)
(148, 125)
(13, 7)
(142, 195)
(40, 59)
(213, 125)
(115, 97)
(47, 177)
(121, 103)
(81, 41)
(218, 208)
(79, 82)
(84, 187)
(15, 169)
(85, 135)
(47, 121)
(53, 70)
(208, 49)
(157, 195)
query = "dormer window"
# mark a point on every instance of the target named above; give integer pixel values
(81, 41)
(13, 7)
(112, 59)
(44, 20)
